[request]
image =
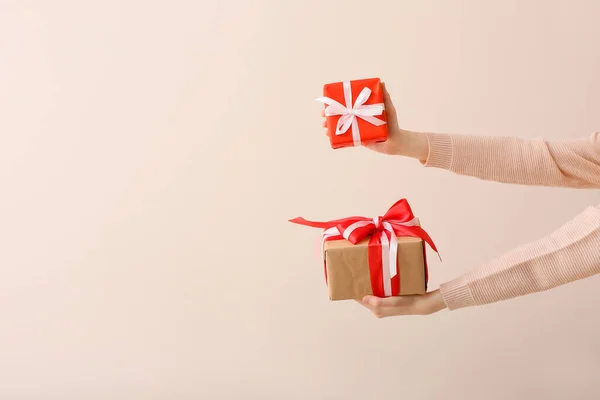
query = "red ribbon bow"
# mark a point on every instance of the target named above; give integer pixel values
(383, 231)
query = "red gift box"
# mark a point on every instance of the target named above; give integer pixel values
(355, 112)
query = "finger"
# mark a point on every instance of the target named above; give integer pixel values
(386, 302)
(387, 99)
(370, 302)
(389, 107)
(324, 123)
(323, 113)
(399, 301)
(365, 304)
(391, 306)
(386, 94)
(376, 305)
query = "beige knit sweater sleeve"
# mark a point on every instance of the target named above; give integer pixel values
(570, 253)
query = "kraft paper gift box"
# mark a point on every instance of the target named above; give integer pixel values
(384, 256)
(355, 112)
(349, 277)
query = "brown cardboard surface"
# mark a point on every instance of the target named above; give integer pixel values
(348, 268)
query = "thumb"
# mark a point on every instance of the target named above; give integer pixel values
(372, 302)
(389, 105)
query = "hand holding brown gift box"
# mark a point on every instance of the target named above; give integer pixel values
(384, 256)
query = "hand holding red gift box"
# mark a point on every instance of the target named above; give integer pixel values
(355, 112)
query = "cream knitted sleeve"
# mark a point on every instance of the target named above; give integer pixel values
(567, 163)
(570, 253)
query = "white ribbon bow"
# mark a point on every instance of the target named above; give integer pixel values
(349, 112)
(389, 248)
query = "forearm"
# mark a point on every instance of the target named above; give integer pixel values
(569, 254)
(570, 163)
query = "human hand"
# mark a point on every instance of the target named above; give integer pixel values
(399, 141)
(424, 304)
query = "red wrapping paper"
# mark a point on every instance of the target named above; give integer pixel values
(368, 132)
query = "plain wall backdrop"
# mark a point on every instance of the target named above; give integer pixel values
(151, 153)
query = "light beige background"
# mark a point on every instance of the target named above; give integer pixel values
(152, 151)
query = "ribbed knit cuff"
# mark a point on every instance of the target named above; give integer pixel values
(456, 294)
(440, 151)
